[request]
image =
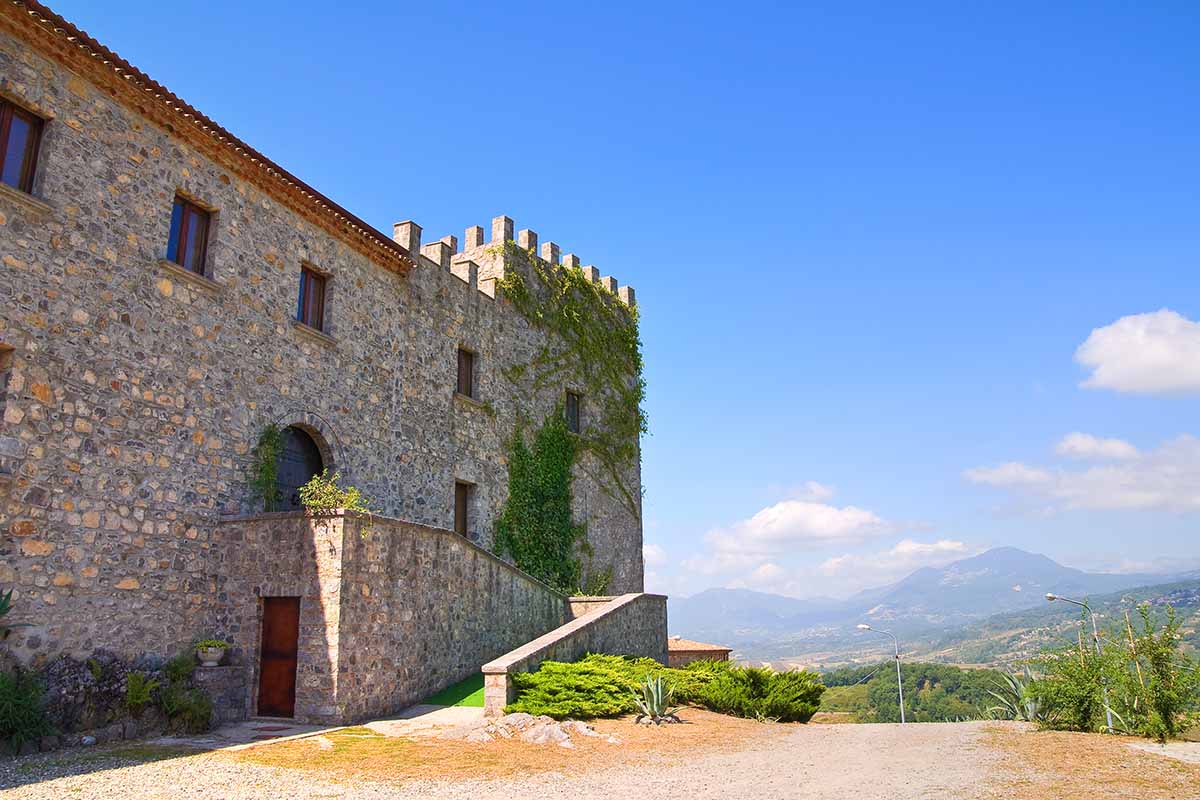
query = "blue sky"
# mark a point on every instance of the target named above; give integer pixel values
(868, 240)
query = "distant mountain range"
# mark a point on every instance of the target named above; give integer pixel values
(931, 603)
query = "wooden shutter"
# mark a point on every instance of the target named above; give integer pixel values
(462, 492)
(26, 159)
(466, 372)
(311, 310)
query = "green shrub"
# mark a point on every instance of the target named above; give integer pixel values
(760, 693)
(139, 689)
(605, 686)
(1153, 688)
(597, 686)
(188, 709)
(1071, 691)
(1169, 681)
(180, 668)
(22, 714)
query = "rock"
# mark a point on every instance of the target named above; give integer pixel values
(567, 744)
(88, 741)
(612, 739)
(479, 737)
(130, 729)
(581, 728)
(28, 748)
(551, 733)
(519, 720)
(48, 743)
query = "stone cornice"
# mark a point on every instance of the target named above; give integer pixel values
(58, 39)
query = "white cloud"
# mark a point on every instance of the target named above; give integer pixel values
(1084, 446)
(786, 526)
(901, 559)
(1154, 353)
(1012, 473)
(653, 555)
(749, 547)
(1164, 479)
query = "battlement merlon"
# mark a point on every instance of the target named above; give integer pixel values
(488, 262)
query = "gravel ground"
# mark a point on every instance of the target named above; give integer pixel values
(803, 762)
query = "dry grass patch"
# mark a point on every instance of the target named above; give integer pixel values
(361, 753)
(1084, 766)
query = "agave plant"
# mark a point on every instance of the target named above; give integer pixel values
(654, 701)
(1014, 700)
(5, 607)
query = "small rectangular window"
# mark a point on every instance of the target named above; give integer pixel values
(188, 241)
(574, 410)
(466, 373)
(311, 307)
(462, 504)
(20, 134)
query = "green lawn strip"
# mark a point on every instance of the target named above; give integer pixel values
(468, 693)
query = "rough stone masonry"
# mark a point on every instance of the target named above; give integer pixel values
(133, 390)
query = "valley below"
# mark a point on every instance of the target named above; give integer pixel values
(987, 611)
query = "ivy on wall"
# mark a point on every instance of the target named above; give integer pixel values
(264, 472)
(596, 348)
(535, 525)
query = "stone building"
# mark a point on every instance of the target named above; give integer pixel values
(167, 292)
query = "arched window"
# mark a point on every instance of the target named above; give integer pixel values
(299, 460)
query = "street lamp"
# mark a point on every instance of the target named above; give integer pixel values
(899, 683)
(1051, 597)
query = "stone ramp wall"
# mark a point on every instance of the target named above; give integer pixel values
(633, 624)
(390, 611)
(422, 608)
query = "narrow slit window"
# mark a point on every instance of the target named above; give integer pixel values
(462, 505)
(188, 242)
(310, 309)
(466, 373)
(574, 411)
(20, 134)
(6, 361)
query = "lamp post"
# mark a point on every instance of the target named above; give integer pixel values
(896, 643)
(1051, 597)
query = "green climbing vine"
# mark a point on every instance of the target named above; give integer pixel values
(265, 466)
(324, 495)
(535, 525)
(596, 348)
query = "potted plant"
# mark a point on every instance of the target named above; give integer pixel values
(211, 651)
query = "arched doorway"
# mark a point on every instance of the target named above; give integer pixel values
(299, 460)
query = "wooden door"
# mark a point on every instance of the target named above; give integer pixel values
(277, 664)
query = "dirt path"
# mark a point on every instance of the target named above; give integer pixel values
(814, 761)
(712, 757)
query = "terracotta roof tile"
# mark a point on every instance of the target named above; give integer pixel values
(676, 644)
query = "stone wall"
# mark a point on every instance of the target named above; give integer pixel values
(137, 392)
(582, 606)
(633, 624)
(390, 611)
